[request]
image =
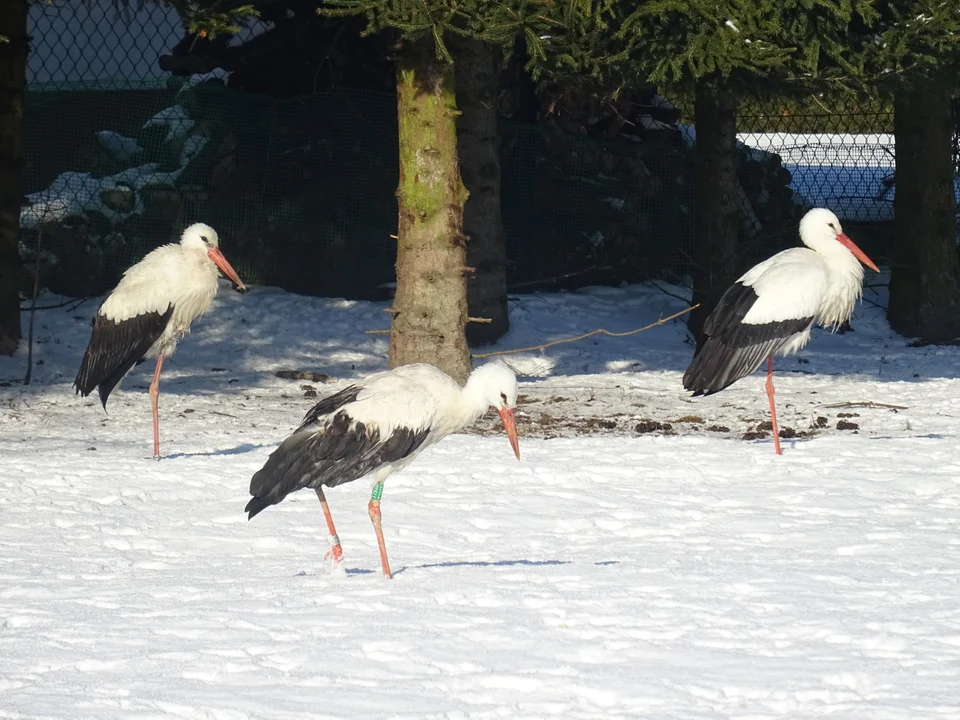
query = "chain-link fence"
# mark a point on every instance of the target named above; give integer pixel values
(121, 156)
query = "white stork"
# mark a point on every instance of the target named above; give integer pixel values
(148, 312)
(772, 308)
(379, 425)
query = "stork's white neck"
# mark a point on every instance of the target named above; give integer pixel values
(846, 286)
(474, 401)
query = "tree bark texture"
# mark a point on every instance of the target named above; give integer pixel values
(716, 226)
(430, 306)
(924, 290)
(13, 62)
(477, 73)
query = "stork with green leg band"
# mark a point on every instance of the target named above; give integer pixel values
(376, 427)
(373, 508)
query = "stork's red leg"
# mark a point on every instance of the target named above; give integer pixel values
(374, 509)
(773, 406)
(335, 551)
(154, 401)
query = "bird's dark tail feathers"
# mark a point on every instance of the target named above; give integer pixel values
(722, 361)
(701, 374)
(254, 506)
(103, 379)
(284, 472)
(114, 348)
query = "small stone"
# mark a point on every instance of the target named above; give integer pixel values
(649, 426)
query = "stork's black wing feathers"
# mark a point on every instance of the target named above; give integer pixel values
(342, 451)
(729, 349)
(115, 347)
(329, 405)
(731, 310)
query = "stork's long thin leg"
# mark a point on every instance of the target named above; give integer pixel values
(773, 406)
(154, 401)
(374, 509)
(335, 551)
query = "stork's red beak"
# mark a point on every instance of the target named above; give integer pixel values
(857, 252)
(226, 267)
(506, 415)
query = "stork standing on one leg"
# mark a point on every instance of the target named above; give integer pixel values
(379, 426)
(148, 312)
(772, 308)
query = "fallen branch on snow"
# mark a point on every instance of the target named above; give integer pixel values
(598, 331)
(865, 404)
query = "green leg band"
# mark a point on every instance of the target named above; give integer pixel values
(377, 492)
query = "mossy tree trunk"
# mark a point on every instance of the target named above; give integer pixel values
(716, 229)
(477, 71)
(924, 290)
(430, 306)
(13, 62)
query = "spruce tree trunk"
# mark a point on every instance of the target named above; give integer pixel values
(13, 63)
(716, 229)
(430, 307)
(477, 71)
(924, 290)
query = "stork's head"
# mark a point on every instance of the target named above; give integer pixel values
(201, 238)
(495, 385)
(820, 231)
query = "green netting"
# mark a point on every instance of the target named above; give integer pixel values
(302, 189)
(578, 210)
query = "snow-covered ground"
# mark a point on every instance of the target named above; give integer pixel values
(622, 569)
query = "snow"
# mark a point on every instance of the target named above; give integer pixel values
(119, 147)
(176, 119)
(74, 194)
(614, 572)
(191, 147)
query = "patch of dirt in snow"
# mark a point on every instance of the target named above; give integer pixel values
(268, 356)
(545, 414)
